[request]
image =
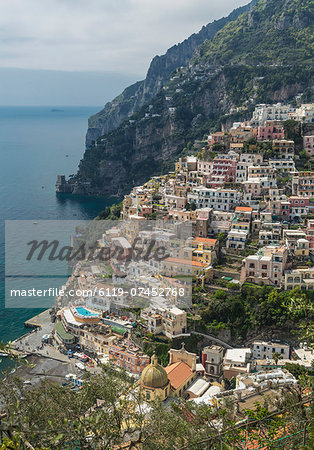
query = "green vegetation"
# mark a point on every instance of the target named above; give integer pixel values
(111, 212)
(107, 411)
(298, 371)
(161, 350)
(269, 34)
(258, 308)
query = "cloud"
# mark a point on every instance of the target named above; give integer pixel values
(99, 35)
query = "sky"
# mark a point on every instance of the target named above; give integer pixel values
(52, 49)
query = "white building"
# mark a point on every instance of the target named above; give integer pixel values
(265, 350)
(270, 233)
(305, 113)
(220, 222)
(264, 112)
(263, 380)
(246, 160)
(218, 199)
(168, 321)
(236, 239)
(236, 361)
(204, 167)
(197, 388)
(283, 165)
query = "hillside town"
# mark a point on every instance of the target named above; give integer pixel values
(237, 212)
(157, 269)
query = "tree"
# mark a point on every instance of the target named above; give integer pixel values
(218, 147)
(220, 294)
(109, 410)
(276, 357)
(193, 206)
(221, 237)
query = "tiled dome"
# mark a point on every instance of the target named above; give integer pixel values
(154, 375)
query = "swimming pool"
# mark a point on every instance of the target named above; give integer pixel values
(85, 312)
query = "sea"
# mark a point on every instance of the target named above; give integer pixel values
(36, 144)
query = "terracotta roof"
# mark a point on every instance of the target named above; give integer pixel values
(178, 373)
(186, 262)
(244, 208)
(205, 240)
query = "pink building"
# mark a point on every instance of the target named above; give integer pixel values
(270, 131)
(310, 233)
(267, 266)
(298, 206)
(285, 209)
(216, 138)
(308, 144)
(225, 167)
(146, 209)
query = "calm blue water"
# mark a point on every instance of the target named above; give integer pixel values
(34, 142)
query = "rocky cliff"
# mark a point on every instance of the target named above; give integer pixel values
(252, 59)
(136, 95)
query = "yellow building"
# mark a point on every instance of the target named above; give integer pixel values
(204, 250)
(302, 249)
(96, 342)
(173, 267)
(127, 204)
(154, 381)
(302, 278)
(140, 197)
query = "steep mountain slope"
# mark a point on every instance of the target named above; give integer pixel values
(136, 95)
(263, 56)
(272, 32)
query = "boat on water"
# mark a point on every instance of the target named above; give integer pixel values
(3, 355)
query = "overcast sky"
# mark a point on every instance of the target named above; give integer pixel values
(114, 37)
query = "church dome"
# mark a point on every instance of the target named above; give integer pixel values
(154, 375)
